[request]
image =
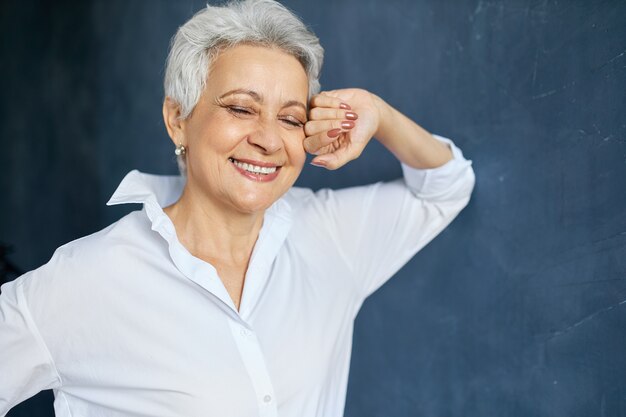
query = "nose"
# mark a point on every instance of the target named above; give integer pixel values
(266, 137)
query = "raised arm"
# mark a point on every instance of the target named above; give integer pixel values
(342, 122)
(379, 227)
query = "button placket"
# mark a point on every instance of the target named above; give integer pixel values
(254, 362)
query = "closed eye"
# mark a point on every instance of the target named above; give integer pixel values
(292, 122)
(239, 110)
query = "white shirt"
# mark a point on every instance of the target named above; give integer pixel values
(126, 322)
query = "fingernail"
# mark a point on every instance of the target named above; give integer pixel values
(350, 115)
(334, 133)
(344, 106)
(319, 164)
(347, 124)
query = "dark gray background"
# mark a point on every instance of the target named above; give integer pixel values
(517, 309)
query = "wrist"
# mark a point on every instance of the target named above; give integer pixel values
(385, 115)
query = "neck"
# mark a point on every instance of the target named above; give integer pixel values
(212, 232)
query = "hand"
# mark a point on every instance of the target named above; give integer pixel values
(359, 112)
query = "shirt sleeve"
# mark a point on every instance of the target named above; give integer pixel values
(25, 364)
(380, 227)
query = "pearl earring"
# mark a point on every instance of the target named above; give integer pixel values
(180, 150)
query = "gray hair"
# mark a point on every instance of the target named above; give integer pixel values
(215, 28)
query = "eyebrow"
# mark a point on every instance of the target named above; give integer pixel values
(259, 99)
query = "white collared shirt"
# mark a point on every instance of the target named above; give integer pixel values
(126, 322)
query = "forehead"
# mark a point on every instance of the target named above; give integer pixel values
(270, 71)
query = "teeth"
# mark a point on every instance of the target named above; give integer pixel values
(253, 168)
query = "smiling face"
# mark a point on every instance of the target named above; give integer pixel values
(244, 137)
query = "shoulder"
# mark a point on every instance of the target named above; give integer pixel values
(305, 200)
(127, 232)
(322, 211)
(76, 262)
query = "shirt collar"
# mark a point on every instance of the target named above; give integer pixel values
(138, 187)
(158, 191)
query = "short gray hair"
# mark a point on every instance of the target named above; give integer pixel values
(215, 28)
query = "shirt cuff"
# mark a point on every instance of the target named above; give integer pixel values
(453, 180)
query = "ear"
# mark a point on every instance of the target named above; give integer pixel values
(173, 122)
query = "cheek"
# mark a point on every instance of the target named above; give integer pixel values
(217, 134)
(296, 151)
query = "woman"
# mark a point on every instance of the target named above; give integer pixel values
(232, 293)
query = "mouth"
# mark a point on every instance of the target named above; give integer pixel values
(256, 170)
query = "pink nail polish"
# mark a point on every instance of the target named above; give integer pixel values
(347, 124)
(334, 133)
(350, 115)
(319, 164)
(344, 106)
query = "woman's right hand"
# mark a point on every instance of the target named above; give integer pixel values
(341, 123)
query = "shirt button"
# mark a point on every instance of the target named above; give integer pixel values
(267, 399)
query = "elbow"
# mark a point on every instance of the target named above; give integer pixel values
(457, 186)
(466, 187)
(470, 182)
(457, 197)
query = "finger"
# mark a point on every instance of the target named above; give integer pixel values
(314, 127)
(324, 100)
(313, 144)
(321, 113)
(334, 160)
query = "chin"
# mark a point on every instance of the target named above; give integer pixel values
(254, 198)
(254, 203)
